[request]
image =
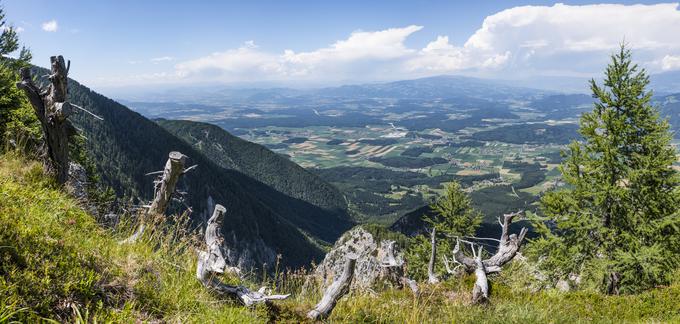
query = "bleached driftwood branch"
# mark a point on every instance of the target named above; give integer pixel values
(431, 275)
(335, 291)
(212, 262)
(508, 247)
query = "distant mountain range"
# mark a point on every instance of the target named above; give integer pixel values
(261, 221)
(445, 86)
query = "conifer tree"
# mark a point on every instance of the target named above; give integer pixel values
(15, 114)
(617, 221)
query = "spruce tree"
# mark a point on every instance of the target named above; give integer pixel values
(617, 221)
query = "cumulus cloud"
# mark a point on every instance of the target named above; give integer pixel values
(530, 40)
(50, 26)
(670, 62)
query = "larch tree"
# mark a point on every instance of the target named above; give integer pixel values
(616, 223)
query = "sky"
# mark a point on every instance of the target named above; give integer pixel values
(147, 44)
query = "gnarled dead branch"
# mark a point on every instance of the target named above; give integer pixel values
(335, 291)
(212, 263)
(508, 247)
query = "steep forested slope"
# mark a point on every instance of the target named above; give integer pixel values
(261, 221)
(256, 161)
(273, 170)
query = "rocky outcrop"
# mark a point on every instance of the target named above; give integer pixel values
(377, 263)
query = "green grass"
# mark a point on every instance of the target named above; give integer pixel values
(58, 264)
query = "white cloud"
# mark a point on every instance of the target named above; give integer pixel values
(527, 40)
(670, 62)
(19, 29)
(157, 60)
(50, 26)
(577, 37)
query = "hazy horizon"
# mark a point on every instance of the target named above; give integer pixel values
(310, 45)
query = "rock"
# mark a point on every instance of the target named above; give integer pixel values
(562, 285)
(77, 181)
(377, 264)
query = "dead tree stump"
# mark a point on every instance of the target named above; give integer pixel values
(52, 110)
(165, 187)
(212, 262)
(335, 291)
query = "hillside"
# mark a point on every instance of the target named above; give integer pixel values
(58, 264)
(257, 162)
(126, 146)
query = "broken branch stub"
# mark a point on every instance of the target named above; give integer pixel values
(212, 263)
(335, 291)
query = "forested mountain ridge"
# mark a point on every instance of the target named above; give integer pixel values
(261, 221)
(330, 217)
(256, 161)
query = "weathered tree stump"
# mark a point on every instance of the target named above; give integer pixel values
(212, 262)
(508, 246)
(393, 267)
(339, 288)
(52, 110)
(165, 187)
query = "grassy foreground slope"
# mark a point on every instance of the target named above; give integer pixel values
(57, 263)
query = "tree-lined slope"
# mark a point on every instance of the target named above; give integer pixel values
(271, 169)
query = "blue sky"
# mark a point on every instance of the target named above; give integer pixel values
(315, 43)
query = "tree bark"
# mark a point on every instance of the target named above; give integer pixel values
(335, 291)
(212, 263)
(52, 110)
(431, 275)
